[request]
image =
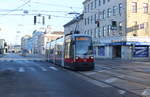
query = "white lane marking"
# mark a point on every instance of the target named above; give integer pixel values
(32, 69)
(121, 92)
(101, 71)
(21, 69)
(90, 73)
(146, 92)
(54, 68)
(43, 69)
(98, 83)
(104, 67)
(110, 80)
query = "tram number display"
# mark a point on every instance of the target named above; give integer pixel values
(82, 38)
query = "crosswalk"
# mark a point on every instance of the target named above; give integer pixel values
(30, 69)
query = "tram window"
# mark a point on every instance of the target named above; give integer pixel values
(67, 47)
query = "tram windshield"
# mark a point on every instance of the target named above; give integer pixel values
(84, 46)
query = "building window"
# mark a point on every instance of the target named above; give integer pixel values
(95, 33)
(91, 19)
(108, 12)
(88, 32)
(145, 7)
(88, 7)
(85, 9)
(108, 0)
(85, 21)
(95, 3)
(104, 1)
(99, 2)
(104, 14)
(99, 33)
(88, 20)
(114, 10)
(95, 18)
(142, 26)
(100, 15)
(134, 7)
(120, 9)
(91, 5)
(120, 26)
(109, 30)
(104, 31)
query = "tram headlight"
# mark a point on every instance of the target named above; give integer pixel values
(77, 57)
(91, 57)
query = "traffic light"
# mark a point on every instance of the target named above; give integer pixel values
(35, 20)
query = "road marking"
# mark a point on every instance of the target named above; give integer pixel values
(110, 80)
(43, 69)
(146, 92)
(101, 71)
(98, 83)
(21, 69)
(54, 68)
(90, 73)
(32, 69)
(121, 92)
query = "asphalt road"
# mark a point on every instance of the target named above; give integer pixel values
(20, 77)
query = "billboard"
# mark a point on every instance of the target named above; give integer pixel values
(140, 51)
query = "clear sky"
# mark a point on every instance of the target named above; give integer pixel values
(13, 19)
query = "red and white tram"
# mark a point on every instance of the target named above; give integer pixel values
(74, 51)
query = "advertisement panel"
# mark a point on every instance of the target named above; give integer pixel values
(140, 51)
(101, 51)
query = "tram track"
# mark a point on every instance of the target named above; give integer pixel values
(114, 86)
(111, 71)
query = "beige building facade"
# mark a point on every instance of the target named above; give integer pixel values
(45, 38)
(120, 28)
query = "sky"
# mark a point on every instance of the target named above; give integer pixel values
(15, 23)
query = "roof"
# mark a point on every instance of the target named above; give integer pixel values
(80, 17)
(57, 32)
(85, 1)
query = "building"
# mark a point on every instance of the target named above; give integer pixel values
(26, 44)
(2, 46)
(16, 48)
(47, 37)
(74, 25)
(120, 28)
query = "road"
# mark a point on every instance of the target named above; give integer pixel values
(21, 77)
(133, 76)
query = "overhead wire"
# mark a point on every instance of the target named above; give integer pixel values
(18, 7)
(57, 5)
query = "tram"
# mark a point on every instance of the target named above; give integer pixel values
(73, 51)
